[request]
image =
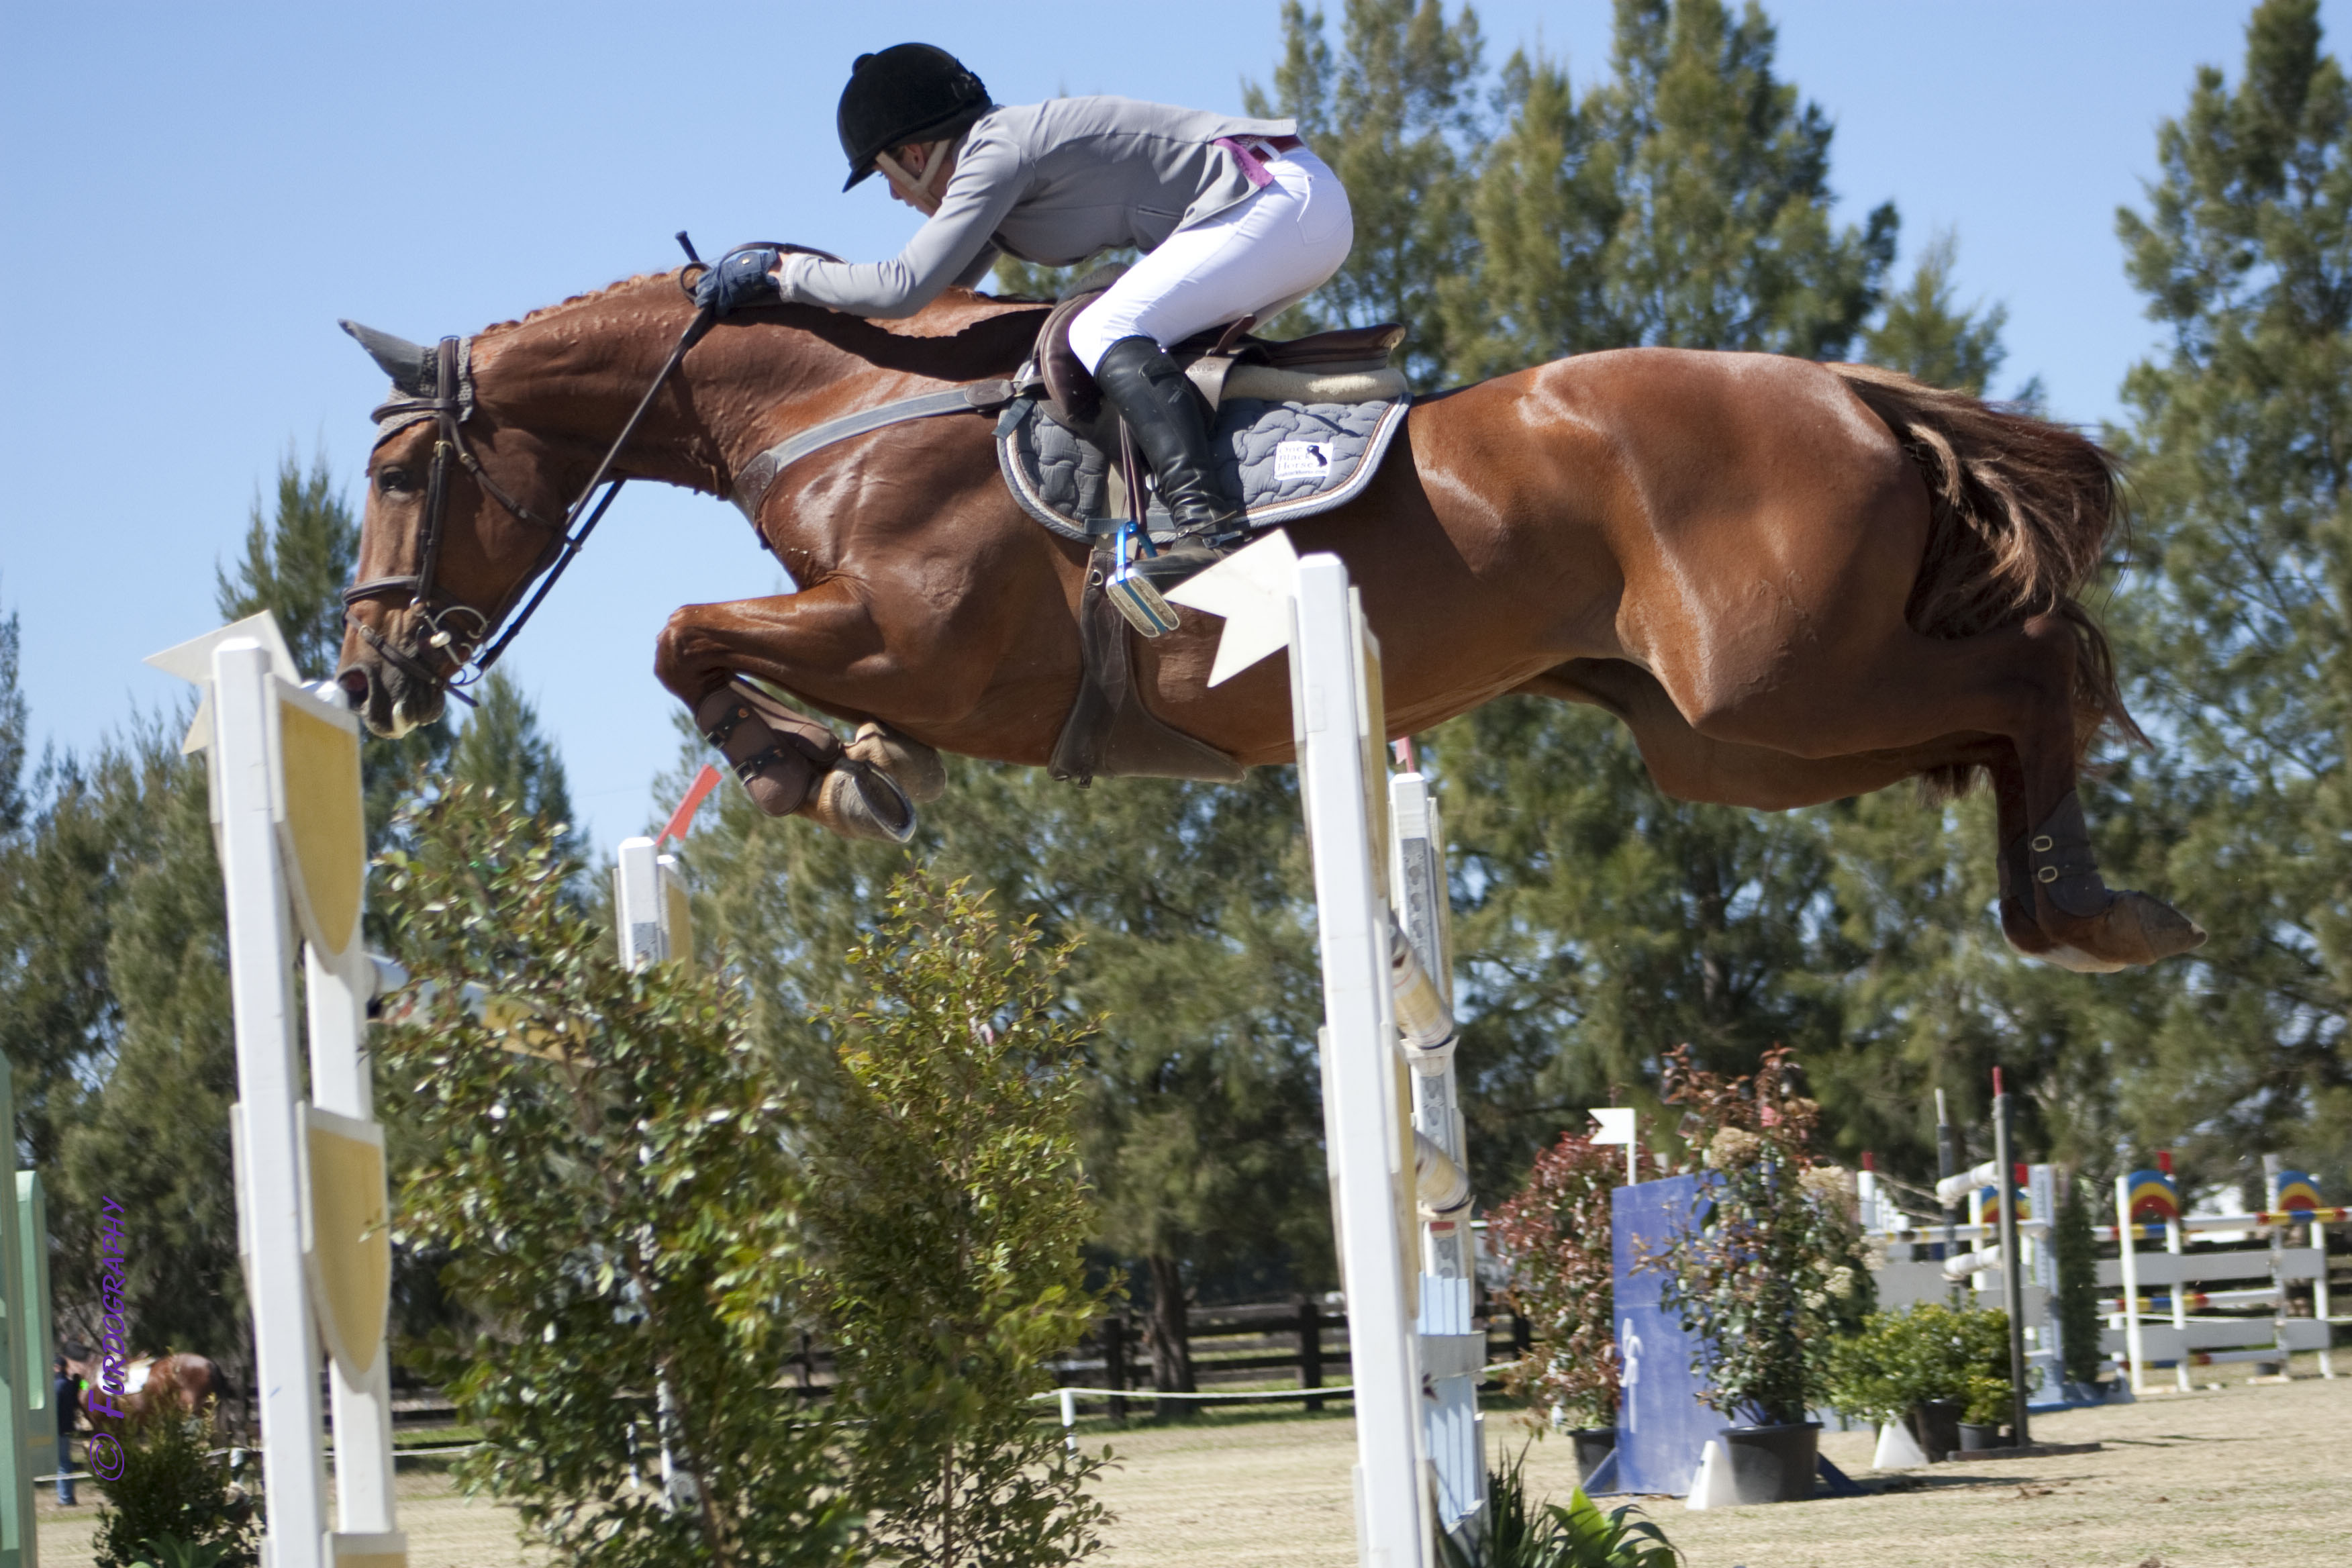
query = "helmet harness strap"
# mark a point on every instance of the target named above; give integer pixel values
(919, 190)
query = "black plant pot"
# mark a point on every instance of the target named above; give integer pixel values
(1936, 1425)
(1976, 1439)
(1593, 1444)
(1773, 1464)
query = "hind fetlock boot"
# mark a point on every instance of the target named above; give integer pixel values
(1171, 430)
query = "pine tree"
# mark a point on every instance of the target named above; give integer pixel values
(2235, 618)
(1546, 211)
(1684, 201)
(296, 562)
(1924, 334)
(157, 1141)
(15, 727)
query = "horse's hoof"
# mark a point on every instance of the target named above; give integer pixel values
(914, 767)
(857, 800)
(2134, 928)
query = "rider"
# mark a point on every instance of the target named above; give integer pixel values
(1236, 218)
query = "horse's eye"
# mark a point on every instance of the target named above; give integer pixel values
(393, 478)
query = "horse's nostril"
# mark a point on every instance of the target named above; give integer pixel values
(354, 682)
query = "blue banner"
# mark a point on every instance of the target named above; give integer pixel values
(1662, 1427)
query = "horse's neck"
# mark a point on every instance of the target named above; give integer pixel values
(575, 372)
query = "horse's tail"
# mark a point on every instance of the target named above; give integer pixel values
(2024, 512)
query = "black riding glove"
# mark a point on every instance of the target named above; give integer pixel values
(740, 281)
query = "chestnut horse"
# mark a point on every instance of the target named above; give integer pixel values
(1793, 582)
(182, 1381)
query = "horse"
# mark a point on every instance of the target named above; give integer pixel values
(1793, 582)
(183, 1382)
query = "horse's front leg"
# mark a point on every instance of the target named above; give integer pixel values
(822, 645)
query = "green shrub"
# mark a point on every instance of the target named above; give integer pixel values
(1931, 1352)
(951, 1212)
(622, 1207)
(173, 1501)
(1771, 1268)
(1574, 1534)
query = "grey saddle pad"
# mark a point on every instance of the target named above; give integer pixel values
(1285, 460)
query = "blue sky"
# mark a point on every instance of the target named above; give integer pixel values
(194, 195)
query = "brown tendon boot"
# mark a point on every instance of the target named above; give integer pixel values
(780, 771)
(853, 794)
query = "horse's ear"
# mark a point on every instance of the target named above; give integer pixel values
(410, 367)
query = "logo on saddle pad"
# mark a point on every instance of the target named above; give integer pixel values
(1301, 461)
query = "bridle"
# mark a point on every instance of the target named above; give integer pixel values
(449, 404)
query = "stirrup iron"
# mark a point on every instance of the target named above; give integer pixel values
(1134, 598)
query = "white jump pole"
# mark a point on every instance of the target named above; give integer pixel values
(311, 1199)
(2127, 1256)
(1335, 702)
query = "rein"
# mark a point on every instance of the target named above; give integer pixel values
(448, 408)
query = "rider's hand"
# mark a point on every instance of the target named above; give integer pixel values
(743, 279)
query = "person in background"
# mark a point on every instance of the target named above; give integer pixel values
(67, 1404)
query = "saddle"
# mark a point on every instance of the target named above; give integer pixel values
(1109, 733)
(1210, 359)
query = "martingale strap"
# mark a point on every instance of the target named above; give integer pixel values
(751, 484)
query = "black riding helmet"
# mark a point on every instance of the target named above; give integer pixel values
(909, 93)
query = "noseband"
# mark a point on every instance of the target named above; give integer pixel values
(451, 401)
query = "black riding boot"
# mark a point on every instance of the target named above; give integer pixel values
(1171, 432)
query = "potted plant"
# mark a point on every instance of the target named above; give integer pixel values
(1554, 1239)
(1768, 1272)
(1937, 1369)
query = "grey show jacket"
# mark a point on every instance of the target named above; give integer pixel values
(1051, 183)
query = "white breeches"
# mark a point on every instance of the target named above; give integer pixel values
(1258, 258)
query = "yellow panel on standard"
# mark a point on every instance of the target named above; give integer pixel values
(348, 1237)
(325, 824)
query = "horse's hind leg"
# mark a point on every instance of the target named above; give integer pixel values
(2016, 683)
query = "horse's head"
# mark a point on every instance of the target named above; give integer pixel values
(461, 517)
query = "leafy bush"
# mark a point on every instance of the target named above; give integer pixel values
(1553, 1236)
(1769, 1271)
(1929, 1353)
(173, 1497)
(950, 1212)
(1574, 1534)
(620, 1205)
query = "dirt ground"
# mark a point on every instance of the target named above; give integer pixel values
(2228, 1476)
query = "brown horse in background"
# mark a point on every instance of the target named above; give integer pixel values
(182, 1381)
(1793, 582)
